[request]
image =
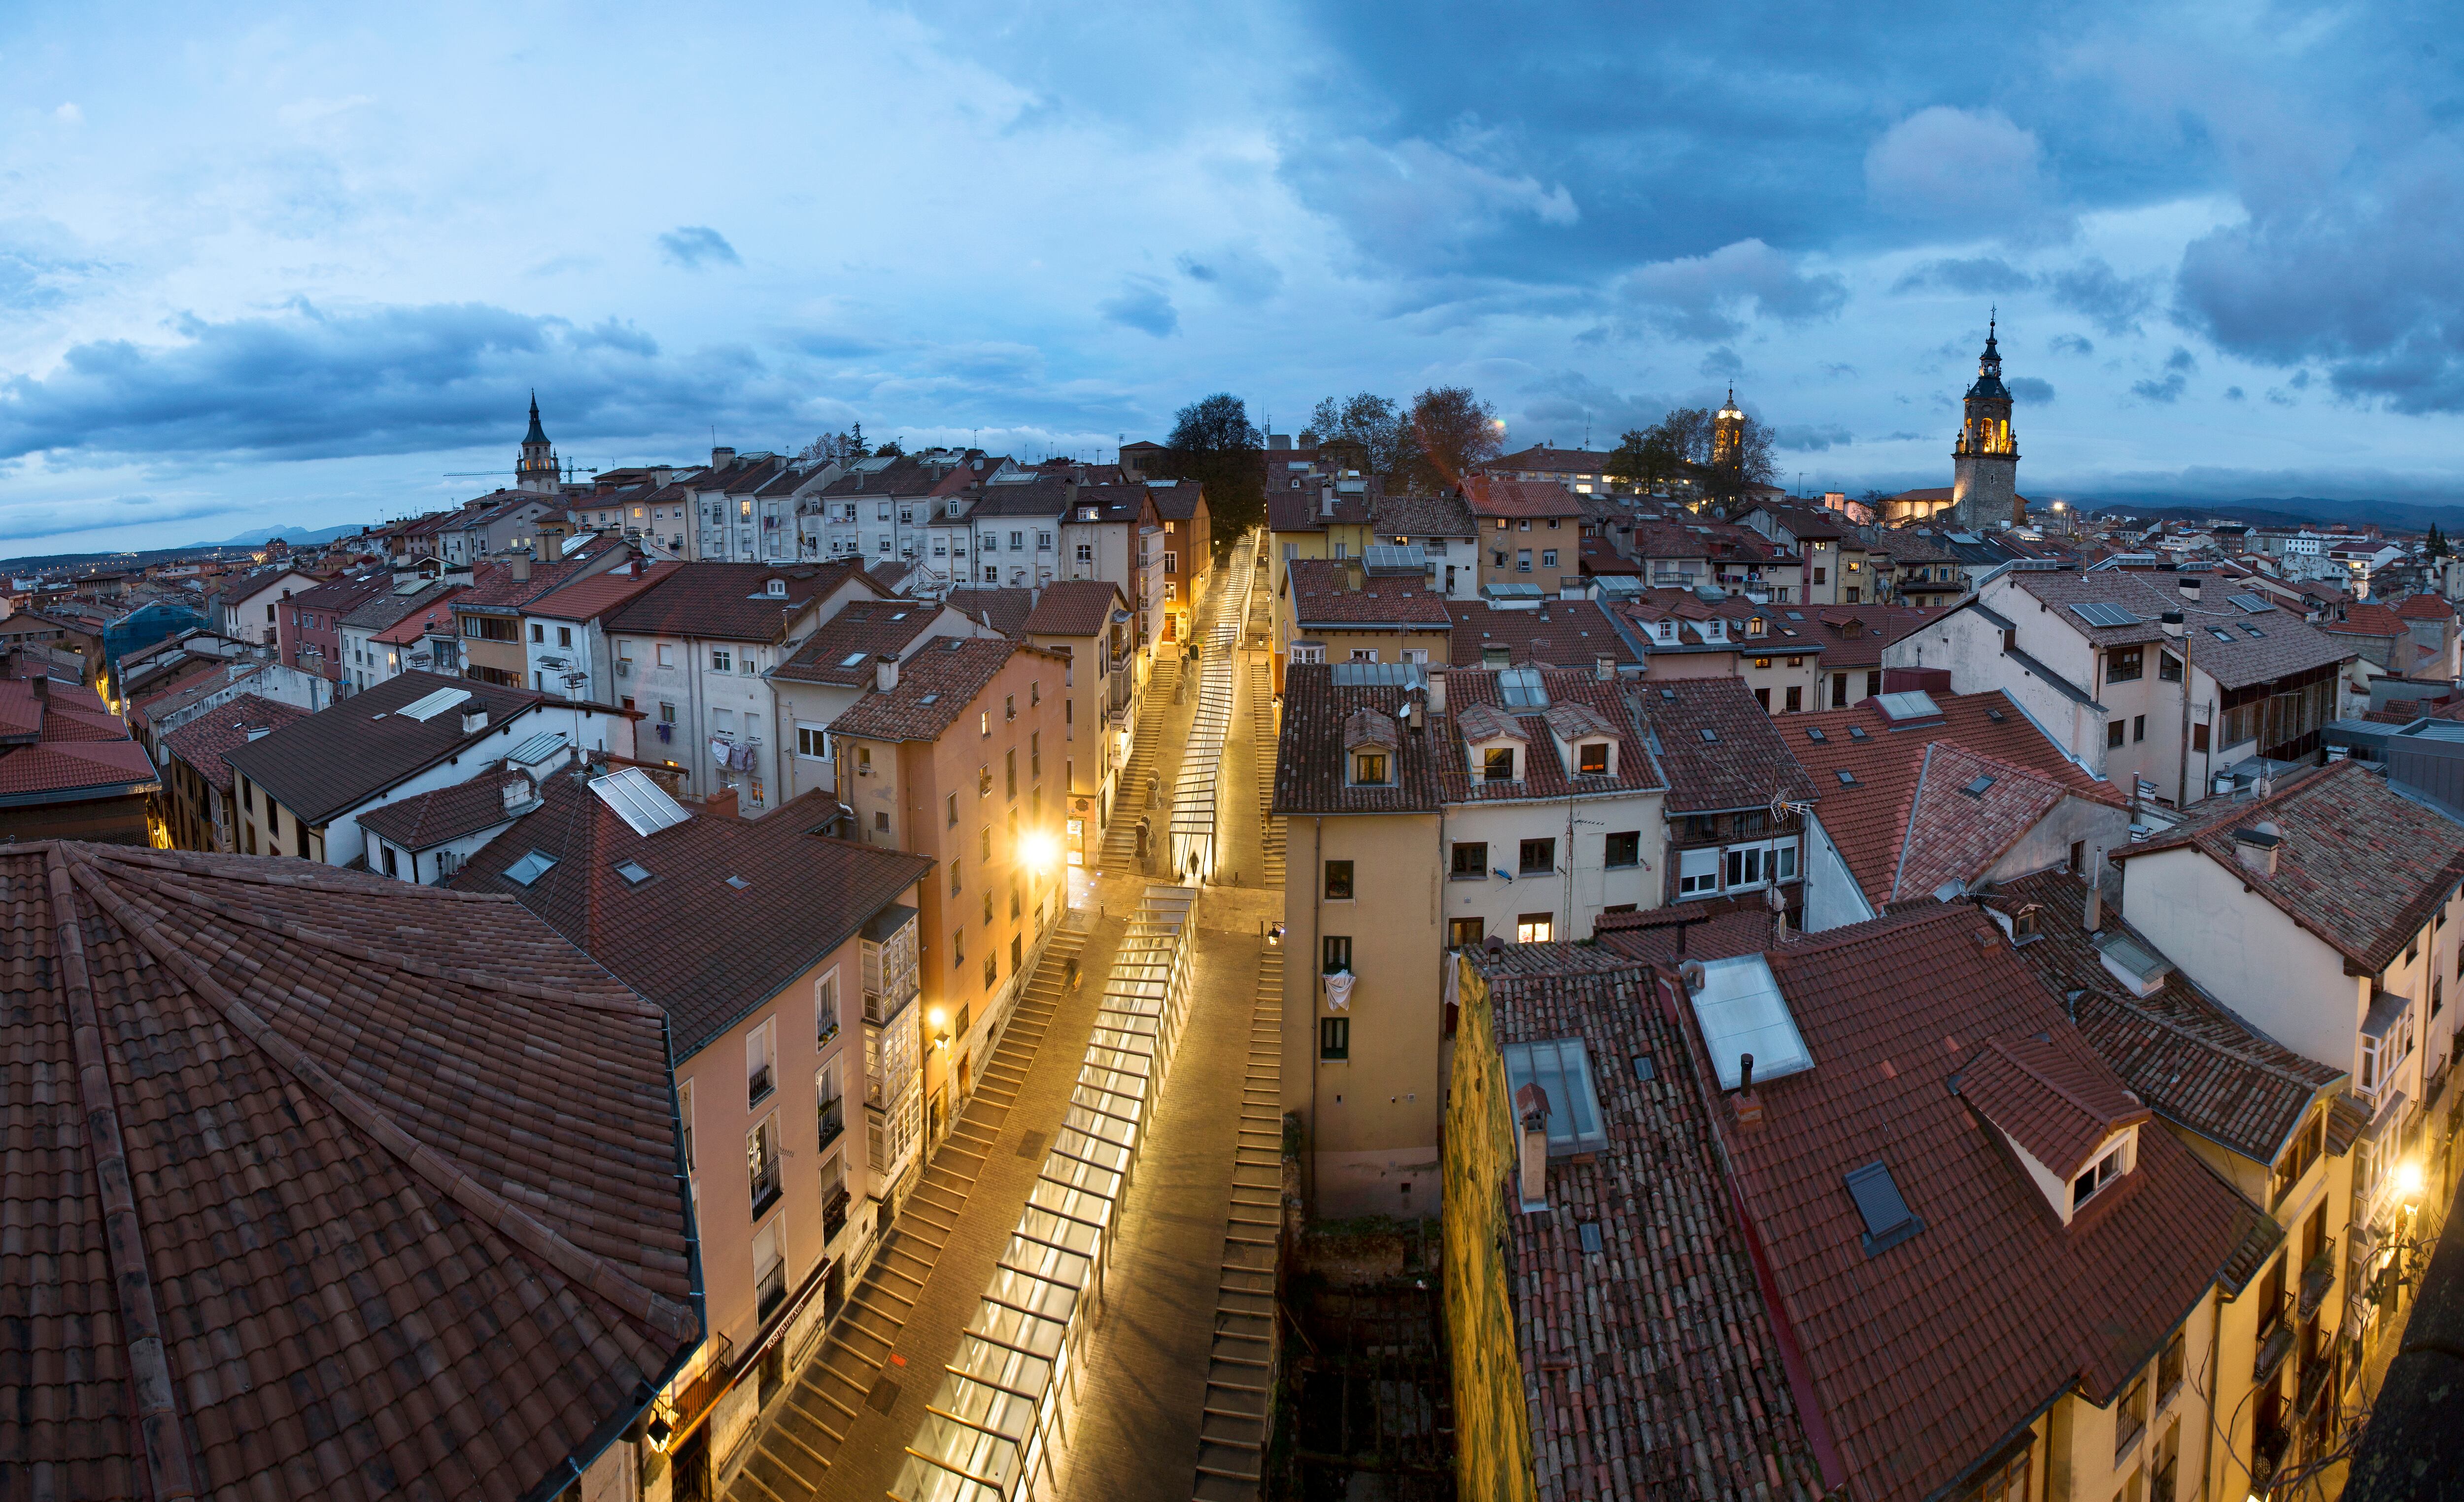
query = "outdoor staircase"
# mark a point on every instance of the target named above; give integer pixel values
(1265, 738)
(1130, 792)
(1240, 1364)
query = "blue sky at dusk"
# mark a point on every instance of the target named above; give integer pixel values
(301, 265)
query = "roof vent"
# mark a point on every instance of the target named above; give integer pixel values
(2133, 964)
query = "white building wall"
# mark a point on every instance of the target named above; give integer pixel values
(1833, 898)
(1584, 885)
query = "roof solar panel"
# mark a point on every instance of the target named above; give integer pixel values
(2255, 605)
(2098, 612)
(641, 802)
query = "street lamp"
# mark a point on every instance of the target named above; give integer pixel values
(1038, 852)
(2409, 1184)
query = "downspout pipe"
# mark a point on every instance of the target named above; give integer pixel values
(1318, 914)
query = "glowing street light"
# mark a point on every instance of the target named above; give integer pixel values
(1038, 852)
(2408, 1184)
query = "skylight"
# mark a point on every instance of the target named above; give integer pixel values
(1907, 704)
(633, 872)
(1847, 778)
(853, 660)
(1520, 688)
(1742, 1011)
(1562, 1067)
(2219, 634)
(1708, 736)
(1978, 788)
(1856, 731)
(739, 883)
(1815, 733)
(530, 868)
(2097, 613)
(429, 706)
(1889, 1220)
(2251, 630)
(641, 802)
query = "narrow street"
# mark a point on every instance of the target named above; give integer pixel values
(1158, 1374)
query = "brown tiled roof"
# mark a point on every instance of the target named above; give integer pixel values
(1004, 609)
(1075, 607)
(1302, 510)
(1547, 459)
(83, 749)
(449, 814)
(348, 752)
(1872, 820)
(431, 610)
(584, 599)
(1391, 516)
(2361, 866)
(355, 1263)
(935, 688)
(1472, 692)
(2193, 1061)
(343, 595)
(1687, 931)
(1310, 770)
(689, 937)
(2366, 620)
(730, 602)
(379, 611)
(1965, 813)
(2055, 1100)
(2285, 644)
(2425, 608)
(1745, 764)
(876, 628)
(1562, 633)
(1853, 635)
(495, 588)
(1995, 1302)
(1489, 497)
(1651, 1367)
(1810, 523)
(1322, 596)
(1178, 500)
(202, 742)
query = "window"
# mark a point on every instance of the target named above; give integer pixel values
(953, 810)
(720, 661)
(538, 632)
(2198, 737)
(1591, 758)
(1010, 770)
(1539, 857)
(1335, 953)
(2137, 728)
(992, 972)
(1623, 848)
(1368, 768)
(762, 1164)
(1762, 696)
(1497, 764)
(1338, 881)
(1467, 933)
(1523, 561)
(769, 1269)
(984, 780)
(2124, 664)
(1698, 870)
(1334, 1037)
(826, 1007)
(1547, 558)
(760, 1062)
(2168, 668)
(2103, 1171)
(685, 1118)
(1535, 928)
(2114, 731)
(667, 654)
(2131, 1417)
(1009, 706)
(1364, 655)
(812, 742)
(2168, 1368)
(1471, 858)
(955, 866)
(1796, 700)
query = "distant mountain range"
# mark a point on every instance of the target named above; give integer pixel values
(294, 536)
(2285, 511)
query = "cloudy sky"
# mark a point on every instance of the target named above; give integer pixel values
(303, 266)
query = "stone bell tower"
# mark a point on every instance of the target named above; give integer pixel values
(535, 470)
(1984, 461)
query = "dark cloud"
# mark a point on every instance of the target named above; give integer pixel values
(307, 383)
(2182, 360)
(695, 245)
(1961, 172)
(2113, 303)
(1144, 306)
(2169, 389)
(2234, 394)
(1237, 272)
(2071, 345)
(2032, 390)
(1559, 408)
(1810, 438)
(1712, 296)
(1973, 278)
(1722, 363)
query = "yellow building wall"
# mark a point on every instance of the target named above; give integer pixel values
(1492, 1420)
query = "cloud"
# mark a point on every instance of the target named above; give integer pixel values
(2182, 360)
(2108, 300)
(2234, 393)
(1973, 278)
(2030, 389)
(1142, 305)
(695, 245)
(2169, 389)
(1562, 404)
(1710, 298)
(69, 115)
(1721, 364)
(1415, 204)
(1238, 274)
(2071, 345)
(1810, 438)
(1968, 172)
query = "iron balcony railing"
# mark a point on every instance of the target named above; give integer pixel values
(2317, 1276)
(2278, 1345)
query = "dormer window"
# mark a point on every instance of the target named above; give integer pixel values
(1668, 630)
(1497, 764)
(1591, 758)
(1754, 626)
(2109, 1167)
(1368, 768)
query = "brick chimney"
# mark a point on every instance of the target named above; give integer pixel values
(721, 804)
(1748, 1106)
(1532, 1162)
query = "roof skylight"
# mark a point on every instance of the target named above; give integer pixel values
(1889, 1220)
(633, 872)
(530, 868)
(641, 802)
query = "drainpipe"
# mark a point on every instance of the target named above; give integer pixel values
(1317, 913)
(2182, 782)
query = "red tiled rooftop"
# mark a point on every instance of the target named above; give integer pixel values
(1490, 497)
(935, 687)
(226, 727)
(1322, 596)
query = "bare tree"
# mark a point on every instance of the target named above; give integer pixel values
(1365, 433)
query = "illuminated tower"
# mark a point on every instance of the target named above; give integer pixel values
(1984, 461)
(535, 470)
(1728, 434)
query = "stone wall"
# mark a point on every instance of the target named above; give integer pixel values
(1492, 1419)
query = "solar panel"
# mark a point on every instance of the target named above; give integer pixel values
(1889, 1220)
(429, 706)
(2256, 604)
(1742, 1011)
(2097, 613)
(641, 802)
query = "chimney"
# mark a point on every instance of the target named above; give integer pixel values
(2257, 847)
(2171, 620)
(721, 804)
(43, 682)
(521, 564)
(2093, 919)
(1416, 708)
(1604, 668)
(885, 674)
(474, 720)
(721, 458)
(259, 732)
(1531, 1165)
(1748, 1106)
(2190, 586)
(1355, 573)
(1326, 500)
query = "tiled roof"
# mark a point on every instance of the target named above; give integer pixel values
(1562, 633)
(1650, 1368)
(1310, 770)
(1075, 607)
(873, 628)
(584, 599)
(355, 1263)
(1303, 510)
(382, 611)
(730, 602)
(1391, 516)
(495, 588)
(1177, 501)
(84, 749)
(1906, 811)
(1807, 524)
(1322, 596)
(449, 814)
(1687, 931)
(2425, 608)
(1543, 458)
(1745, 764)
(1490, 497)
(349, 752)
(1854, 636)
(1910, 546)
(2193, 1061)
(1471, 691)
(935, 688)
(2360, 865)
(202, 742)
(906, 475)
(1005, 610)
(2285, 646)
(343, 595)
(689, 937)
(2055, 1100)
(2366, 620)
(431, 610)
(1997, 1304)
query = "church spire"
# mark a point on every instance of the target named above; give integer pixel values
(537, 468)
(536, 435)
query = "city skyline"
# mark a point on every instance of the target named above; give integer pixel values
(296, 271)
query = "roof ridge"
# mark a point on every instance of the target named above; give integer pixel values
(1908, 822)
(584, 1268)
(2179, 1029)
(256, 874)
(161, 1429)
(2055, 1085)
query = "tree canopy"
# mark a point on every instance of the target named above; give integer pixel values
(1214, 443)
(1457, 433)
(1683, 445)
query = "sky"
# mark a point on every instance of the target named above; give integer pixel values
(305, 266)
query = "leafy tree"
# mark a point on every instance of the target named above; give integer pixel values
(2437, 546)
(845, 448)
(1365, 433)
(890, 450)
(1455, 431)
(1645, 456)
(1214, 443)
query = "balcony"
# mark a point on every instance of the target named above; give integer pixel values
(2274, 1346)
(2267, 1450)
(765, 1187)
(833, 1121)
(2317, 1276)
(2313, 1385)
(756, 1089)
(834, 1215)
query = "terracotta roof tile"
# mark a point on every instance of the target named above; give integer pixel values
(1489, 497)
(1322, 596)
(586, 599)
(935, 688)
(867, 630)
(1075, 607)
(1743, 763)
(350, 751)
(449, 814)
(2285, 644)
(1006, 609)
(1310, 768)
(1562, 633)
(226, 727)
(1475, 704)
(731, 602)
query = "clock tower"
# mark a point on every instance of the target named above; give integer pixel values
(1984, 460)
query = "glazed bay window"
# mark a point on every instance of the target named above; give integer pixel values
(762, 1164)
(1470, 860)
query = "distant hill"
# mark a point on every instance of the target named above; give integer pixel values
(2285, 511)
(297, 536)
